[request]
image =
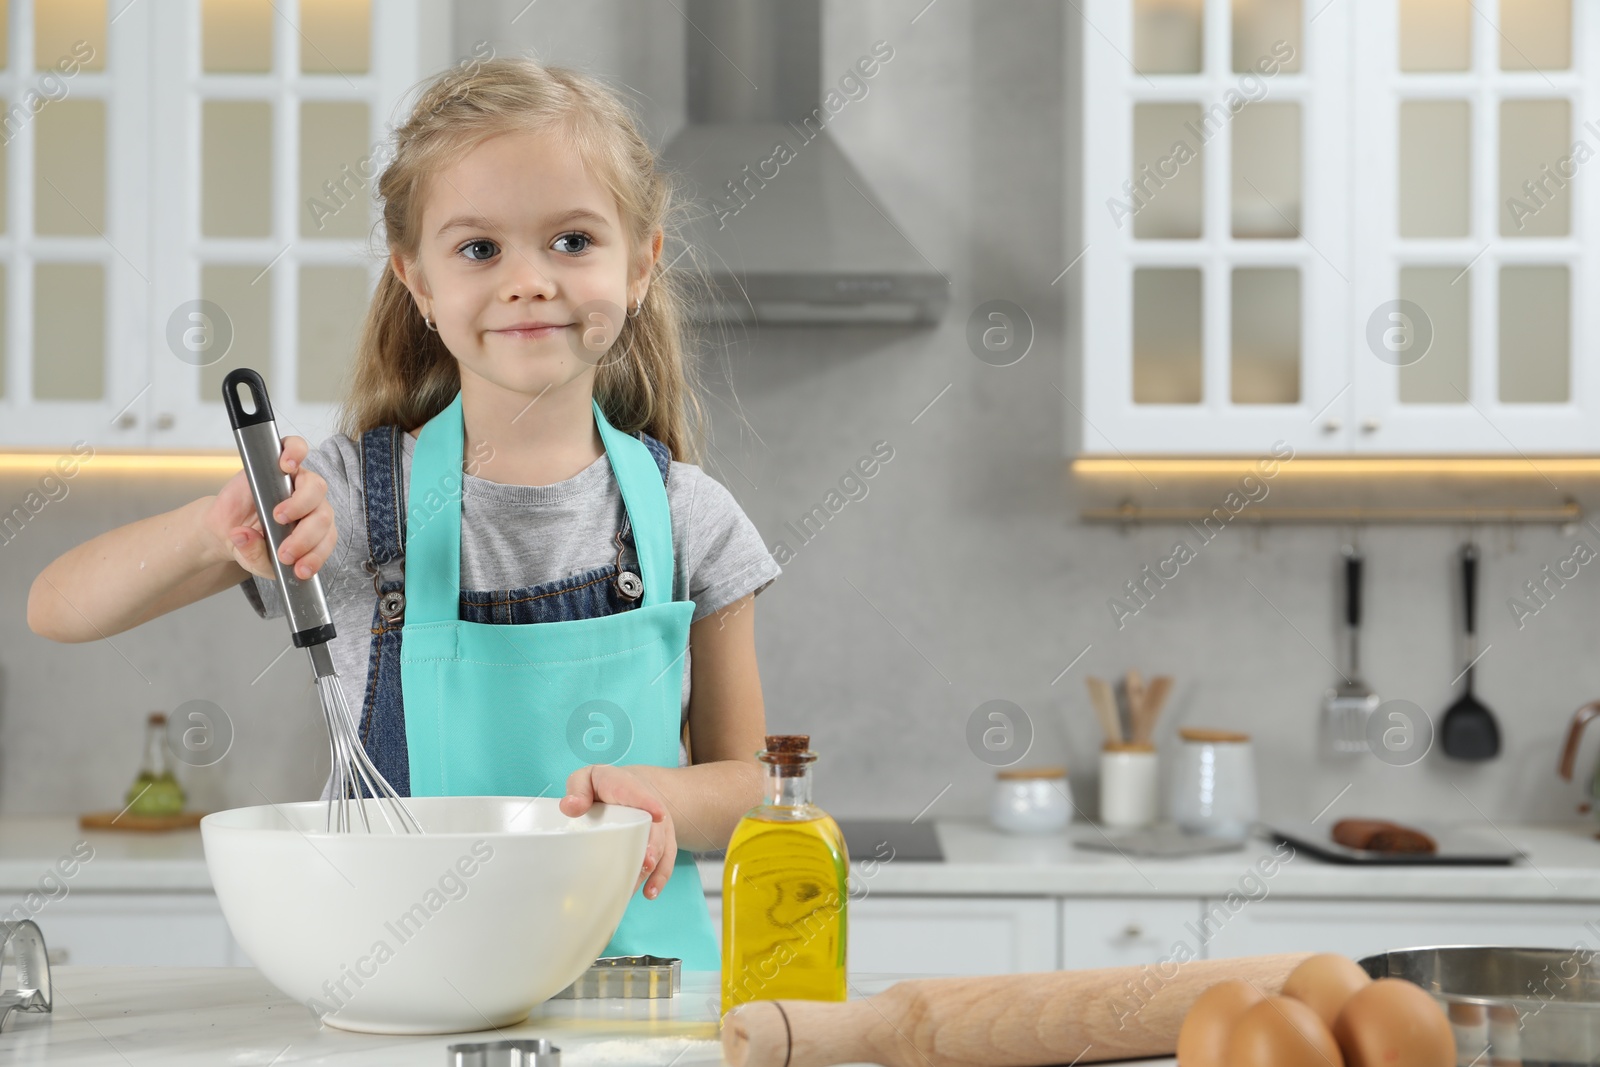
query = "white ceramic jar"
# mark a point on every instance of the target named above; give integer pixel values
(1031, 801)
(1129, 784)
(1214, 786)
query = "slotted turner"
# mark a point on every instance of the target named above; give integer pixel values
(1351, 702)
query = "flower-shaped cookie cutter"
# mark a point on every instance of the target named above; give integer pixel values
(30, 989)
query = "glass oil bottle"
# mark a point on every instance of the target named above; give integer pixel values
(156, 790)
(784, 889)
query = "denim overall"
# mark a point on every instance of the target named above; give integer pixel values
(517, 688)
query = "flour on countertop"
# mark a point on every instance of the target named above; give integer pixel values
(644, 1052)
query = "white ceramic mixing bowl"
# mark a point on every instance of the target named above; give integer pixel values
(502, 903)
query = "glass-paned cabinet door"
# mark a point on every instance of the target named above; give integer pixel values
(1474, 204)
(73, 239)
(1212, 223)
(278, 129)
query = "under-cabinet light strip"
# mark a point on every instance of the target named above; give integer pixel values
(1130, 514)
(1368, 465)
(216, 463)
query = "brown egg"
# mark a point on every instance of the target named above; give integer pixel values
(1324, 982)
(1203, 1039)
(1392, 1022)
(1282, 1032)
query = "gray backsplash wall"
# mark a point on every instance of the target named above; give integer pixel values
(964, 575)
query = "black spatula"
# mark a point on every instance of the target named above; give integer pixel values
(1469, 731)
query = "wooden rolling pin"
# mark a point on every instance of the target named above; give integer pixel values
(1013, 1020)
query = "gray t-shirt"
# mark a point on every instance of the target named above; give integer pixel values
(522, 535)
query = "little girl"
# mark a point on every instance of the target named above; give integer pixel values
(521, 562)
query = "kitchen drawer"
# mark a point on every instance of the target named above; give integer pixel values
(945, 935)
(1359, 928)
(1125, 932)
(137, 929)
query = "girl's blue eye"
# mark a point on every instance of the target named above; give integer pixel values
(578, 236)
(474, 244)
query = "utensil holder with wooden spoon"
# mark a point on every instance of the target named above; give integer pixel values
(1014, 1020)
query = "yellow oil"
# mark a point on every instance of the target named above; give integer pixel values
(784, 907)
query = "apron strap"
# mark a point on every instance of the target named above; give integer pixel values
(433, 522)
(644, 499)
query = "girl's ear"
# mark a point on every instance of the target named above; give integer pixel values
(648, 263)
(409, 277)
(413, 279)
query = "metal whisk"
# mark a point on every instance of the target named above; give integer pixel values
(354, 774)
(310, 624)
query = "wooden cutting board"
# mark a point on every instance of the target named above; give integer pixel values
(112, 820)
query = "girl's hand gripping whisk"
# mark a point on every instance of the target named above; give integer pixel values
(244, 394)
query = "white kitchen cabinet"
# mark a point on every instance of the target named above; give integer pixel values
(1359, 928)
(953, 935)
(1261, 183)
(1126, 931)
(945, 935)
(137, 929)
(75, 240)
(189, 161)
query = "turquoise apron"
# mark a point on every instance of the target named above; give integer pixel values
(512, 710)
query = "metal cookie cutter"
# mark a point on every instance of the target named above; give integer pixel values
(642, 977)
(32, 992)
(532, 1052)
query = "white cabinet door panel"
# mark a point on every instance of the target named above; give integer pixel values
(137, 930)
(945, 935)
(1361, 928)
(1118, 932)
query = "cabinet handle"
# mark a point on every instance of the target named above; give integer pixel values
(1133, 931)
(164, 421)
(1370, 425)
(1332, 425)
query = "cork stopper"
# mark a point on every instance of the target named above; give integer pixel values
(157, 718)
(790, 752)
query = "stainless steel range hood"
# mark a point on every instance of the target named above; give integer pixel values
(786, 226)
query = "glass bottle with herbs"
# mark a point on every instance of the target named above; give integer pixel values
(156, 790)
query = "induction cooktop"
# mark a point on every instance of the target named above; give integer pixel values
(882, 840)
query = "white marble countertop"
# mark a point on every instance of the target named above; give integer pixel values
(1563, 863)
(199, 1017)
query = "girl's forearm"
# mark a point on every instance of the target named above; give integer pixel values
(706, 800)
(129, 575)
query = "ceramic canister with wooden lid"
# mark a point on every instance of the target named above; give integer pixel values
(1214, 785)
(1031, 800)
(1129, 784)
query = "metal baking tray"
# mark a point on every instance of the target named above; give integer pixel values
(1510, 1007)
(1456, 848)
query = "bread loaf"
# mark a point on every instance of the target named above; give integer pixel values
(1378, 835)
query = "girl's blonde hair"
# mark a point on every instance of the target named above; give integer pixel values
(404, 375)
